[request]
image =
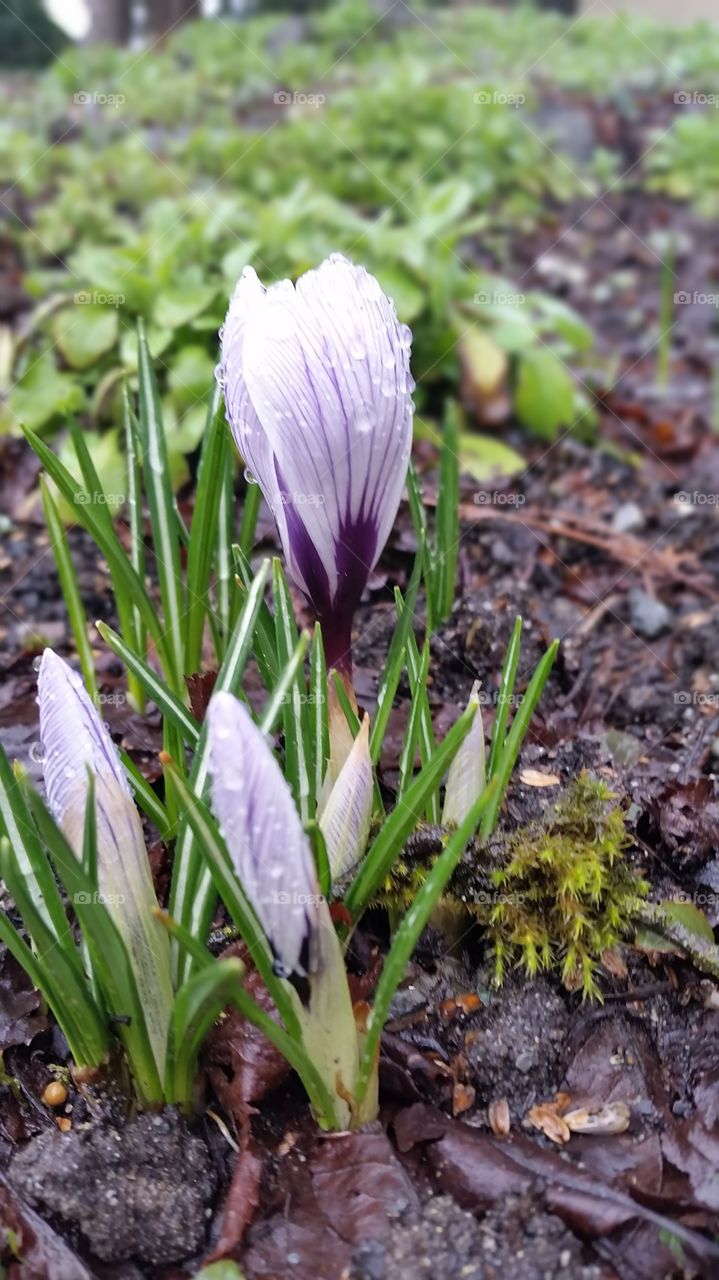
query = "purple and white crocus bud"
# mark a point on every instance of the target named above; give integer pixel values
(76, 741)
(261, 827)
(318, 394)
(273, 861)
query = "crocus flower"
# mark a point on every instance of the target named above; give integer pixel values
(273, 861)
(74, 741)
(318, 395)
(466, 777)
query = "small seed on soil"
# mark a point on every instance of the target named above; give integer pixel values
(498, 1116)
(54, 1094)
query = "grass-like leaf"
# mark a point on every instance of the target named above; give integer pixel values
(295, 712)
(110, 960)
(403, 819)
(54, 966)
(411, 731)
(169, 704)
(160, 498)
(203, 533)
(394, 665)
(407, 936)
(191, 895)
(319, 711)
(515, 737)
(70, 589)
(504, 697)
(126, 582)
(446, 535)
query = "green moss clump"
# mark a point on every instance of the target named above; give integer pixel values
(555, 895)
(563, 894)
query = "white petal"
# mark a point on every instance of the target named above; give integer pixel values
(346, 817)
(73, 737)
(465, 781)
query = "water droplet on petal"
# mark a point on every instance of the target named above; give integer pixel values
(249, 476)
(220, 375)
(405, 337)
(36, 663)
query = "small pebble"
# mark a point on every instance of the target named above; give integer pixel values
(628, 518)
(54, 1094)
(647, 615)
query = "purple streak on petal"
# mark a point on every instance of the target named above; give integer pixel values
(264, 836)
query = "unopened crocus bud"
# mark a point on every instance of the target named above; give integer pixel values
(466, 777)
(261, 827)
(74, 741)
(318, 395)
(273, 861)
(345, 818)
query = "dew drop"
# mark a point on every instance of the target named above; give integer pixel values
(388, 360)
(405, 337)
(36, 663)
(220, 375)
(249, 476)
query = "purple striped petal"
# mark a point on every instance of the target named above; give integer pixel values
(74, 740)
(263, 833)
(318, 393)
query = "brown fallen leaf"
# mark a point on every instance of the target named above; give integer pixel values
(547, 1119)
(463, 1096)
(613, 1118)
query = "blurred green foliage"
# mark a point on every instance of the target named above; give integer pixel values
(141, 182)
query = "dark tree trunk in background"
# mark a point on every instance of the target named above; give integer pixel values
(110, 22)
(164, 16)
